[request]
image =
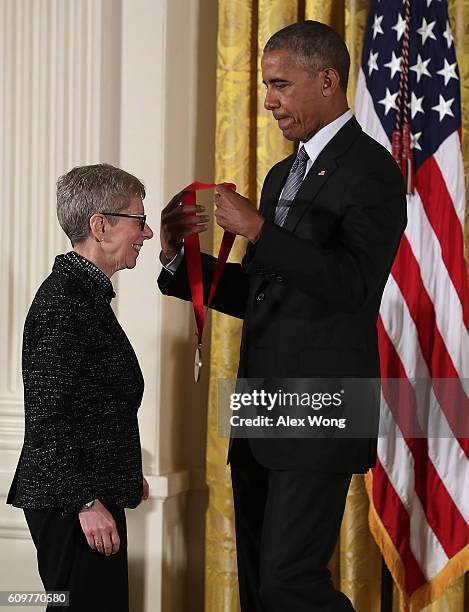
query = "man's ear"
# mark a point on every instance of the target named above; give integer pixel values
(97, 227)
(330, 81)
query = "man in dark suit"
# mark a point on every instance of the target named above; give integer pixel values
(321, 247)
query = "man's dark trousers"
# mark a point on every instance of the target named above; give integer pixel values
(285, 535)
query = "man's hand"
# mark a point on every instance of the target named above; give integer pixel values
(146, 490)
(177, 222)
(100, 530)
(237, 214)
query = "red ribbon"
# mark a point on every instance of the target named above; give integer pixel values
(194, 259)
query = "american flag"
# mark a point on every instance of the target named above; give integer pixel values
(419, 490)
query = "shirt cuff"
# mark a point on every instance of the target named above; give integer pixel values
(173, 264)
(89, 504)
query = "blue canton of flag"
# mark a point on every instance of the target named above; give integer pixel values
(434, 95)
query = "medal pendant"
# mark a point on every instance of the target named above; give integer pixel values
(197, 362)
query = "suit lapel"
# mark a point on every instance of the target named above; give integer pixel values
(274, 188)
(318, 175)
(270, 196)
(321, 171)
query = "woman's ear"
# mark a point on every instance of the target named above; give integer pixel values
(97, 227)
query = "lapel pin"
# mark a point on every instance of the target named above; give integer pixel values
(322, 173)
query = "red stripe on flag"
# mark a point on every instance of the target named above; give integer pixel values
(406, 272)
(442, 514)
(397, 523)
(441, 213)
(453, 401)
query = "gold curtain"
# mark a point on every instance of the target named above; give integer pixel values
(248, 143)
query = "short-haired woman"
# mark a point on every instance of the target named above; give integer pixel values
(81, 465)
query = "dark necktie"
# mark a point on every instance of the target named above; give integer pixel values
(292, 185)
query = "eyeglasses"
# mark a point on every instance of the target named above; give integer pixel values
(141, 218)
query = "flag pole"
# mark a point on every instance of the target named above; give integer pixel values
(386, 588)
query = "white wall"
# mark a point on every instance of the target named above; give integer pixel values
(122, 81)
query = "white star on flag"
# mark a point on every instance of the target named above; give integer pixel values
(426, 30)
(372, 63)
(444, 107)
(399, 27)
(448, 71)
(448, 34)
(415, 105)
(414, 141)
(389, 101)
(394, 64)
(430, 1)
(377, 29)
(421, 67)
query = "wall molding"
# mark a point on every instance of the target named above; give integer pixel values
(11, 433)
(13, 529)
(11, 407)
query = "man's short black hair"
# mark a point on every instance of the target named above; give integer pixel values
(316, 46)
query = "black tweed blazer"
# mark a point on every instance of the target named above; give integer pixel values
(82, 389)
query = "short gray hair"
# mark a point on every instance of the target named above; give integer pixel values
(87, 190)
(316, 46)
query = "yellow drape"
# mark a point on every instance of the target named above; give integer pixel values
(248, 143)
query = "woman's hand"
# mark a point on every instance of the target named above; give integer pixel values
(100, 530)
